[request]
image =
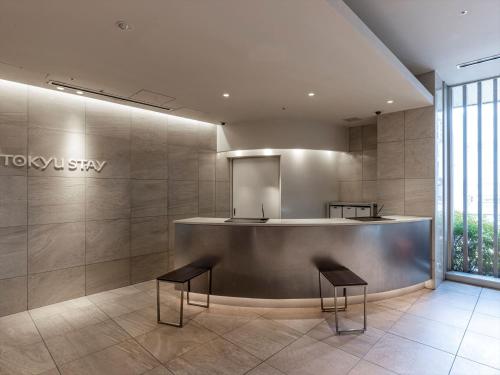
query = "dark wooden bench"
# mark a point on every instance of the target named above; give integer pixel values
(181, 276)
(342, 277)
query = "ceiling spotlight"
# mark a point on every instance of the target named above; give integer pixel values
(60, 88)
(225, 95)
(464, 12)
(311, 94)
(390, 101)
(123, 25)
(79, 92)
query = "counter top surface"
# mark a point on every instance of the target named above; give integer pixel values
(303, 222)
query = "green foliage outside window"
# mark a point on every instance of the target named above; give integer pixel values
(473, 237)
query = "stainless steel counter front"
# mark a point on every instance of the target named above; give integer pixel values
(280, 261)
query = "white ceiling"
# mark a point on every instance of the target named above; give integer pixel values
(268, 54)
(431, 35)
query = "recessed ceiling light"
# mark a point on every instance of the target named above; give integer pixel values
(390, 101)
(60, 88)
(225, 95)
(123, 25)
(311, 94)
(464, 12)
(79, 92)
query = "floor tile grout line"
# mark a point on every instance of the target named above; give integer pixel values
(82, 328)
(421, 343)
(432, 320)
(148, 351)
(436, 321)
(292, 342)
(466, 329)
(272, 355)
(208, 341)
(479, 363)
(44, 343)
(107, 347)
(262, 315)
(379, 365)
(387, 332)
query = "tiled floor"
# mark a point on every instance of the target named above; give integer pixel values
(453, 330)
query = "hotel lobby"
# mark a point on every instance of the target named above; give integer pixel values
(249, 187)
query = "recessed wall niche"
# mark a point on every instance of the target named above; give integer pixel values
(67, 233)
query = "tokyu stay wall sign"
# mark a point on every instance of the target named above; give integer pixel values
(42, 163)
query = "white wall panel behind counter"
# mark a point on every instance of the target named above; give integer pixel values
(309, 179)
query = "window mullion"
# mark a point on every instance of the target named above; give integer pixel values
(465, 229)
(479, 181)
(495, 177)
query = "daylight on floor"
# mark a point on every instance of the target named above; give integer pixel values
(230, 187)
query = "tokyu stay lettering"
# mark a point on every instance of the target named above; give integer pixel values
(42, 163)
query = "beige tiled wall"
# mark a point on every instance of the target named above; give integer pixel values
(358, 167)
(392, 163)
(406, 162)
(407, 167)
(64, 234)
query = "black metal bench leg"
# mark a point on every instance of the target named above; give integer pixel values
(158, 312)
(158, 301)
(351, 331)
(345, 299)
(335, 309)
(327, 308)
(364, 310)
(207, 304)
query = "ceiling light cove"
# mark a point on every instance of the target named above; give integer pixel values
(225, 95)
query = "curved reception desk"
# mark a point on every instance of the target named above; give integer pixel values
(280, 259)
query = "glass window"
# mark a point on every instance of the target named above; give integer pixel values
(474, 167)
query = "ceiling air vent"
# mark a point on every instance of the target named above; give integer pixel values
(478, 61)
(352, 119)
(139, 99)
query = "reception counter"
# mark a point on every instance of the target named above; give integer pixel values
(280, 259)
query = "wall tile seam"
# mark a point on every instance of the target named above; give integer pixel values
(28, 118)
(58, 269)
(14, 277)
(85, 196)
(385, 142)
(148, 254)
(389, 179)
(7, 174)
(99, 262)
(58, 130)
(130, 203)
(14, 226)
(419, 178)
(136, 217)
(404, 161)
(144, 179)
(418, 138)
(32, 175)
